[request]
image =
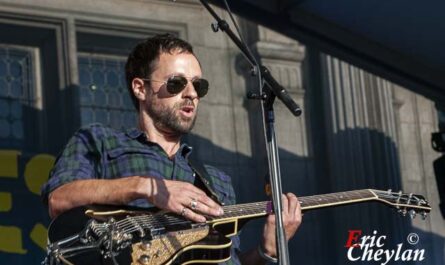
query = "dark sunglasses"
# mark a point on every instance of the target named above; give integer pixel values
(176, 84)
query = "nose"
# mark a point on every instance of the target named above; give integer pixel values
(189, 90)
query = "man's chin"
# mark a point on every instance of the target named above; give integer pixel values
(183, 128)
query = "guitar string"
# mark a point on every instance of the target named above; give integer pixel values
(343, 196)
(314, 200)
(147, 220)
(228, 209)
(253, 206)
(246, 208)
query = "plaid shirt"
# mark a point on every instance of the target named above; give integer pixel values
(97, 152)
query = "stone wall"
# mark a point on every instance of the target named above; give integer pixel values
(356, 131)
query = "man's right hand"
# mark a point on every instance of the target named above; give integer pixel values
(175, 196)
(182, 198)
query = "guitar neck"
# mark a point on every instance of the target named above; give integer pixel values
(258, 209)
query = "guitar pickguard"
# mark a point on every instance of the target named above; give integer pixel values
(162, 248)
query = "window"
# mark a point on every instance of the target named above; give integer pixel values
(18, 90)
(103, 92)
(104, 97)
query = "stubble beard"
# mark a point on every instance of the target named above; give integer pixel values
(168, 118)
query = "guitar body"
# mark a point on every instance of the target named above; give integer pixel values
(134, 236)
(176, 244)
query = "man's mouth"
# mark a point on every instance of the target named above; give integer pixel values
(188, 110)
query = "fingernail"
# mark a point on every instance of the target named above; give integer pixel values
(221, 211)
(202, 219)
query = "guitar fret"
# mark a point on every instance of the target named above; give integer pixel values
(332, 198)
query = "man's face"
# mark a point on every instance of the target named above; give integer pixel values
(173, 113)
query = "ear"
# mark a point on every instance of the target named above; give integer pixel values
(138, 88)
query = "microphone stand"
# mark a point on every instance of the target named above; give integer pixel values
(272, 90)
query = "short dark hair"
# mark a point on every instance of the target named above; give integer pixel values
(140, 60)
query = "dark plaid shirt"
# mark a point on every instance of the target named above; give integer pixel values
(97, 152)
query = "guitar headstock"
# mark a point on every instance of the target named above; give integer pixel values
(411, 204)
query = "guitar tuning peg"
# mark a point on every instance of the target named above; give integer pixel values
(404, 212)
(389, 191)
(422, 202)
(412, 214)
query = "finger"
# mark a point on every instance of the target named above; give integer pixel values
(191, 215)
(298, 212)
(284, 203)
(293, 202)
(200, 203)
(270, 219)
(208, 206)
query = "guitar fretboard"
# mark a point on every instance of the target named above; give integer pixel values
(307, 203)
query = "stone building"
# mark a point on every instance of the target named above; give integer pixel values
(61, 67)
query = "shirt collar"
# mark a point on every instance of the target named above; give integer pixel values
(184, 150)
(134, 133)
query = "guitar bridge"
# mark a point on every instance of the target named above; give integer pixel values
(166, 247)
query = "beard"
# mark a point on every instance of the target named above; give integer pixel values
(168, 118)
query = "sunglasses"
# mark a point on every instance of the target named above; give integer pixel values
(176, 84)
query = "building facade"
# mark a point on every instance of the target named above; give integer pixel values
(61, 67)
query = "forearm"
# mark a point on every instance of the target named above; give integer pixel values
(96, 191)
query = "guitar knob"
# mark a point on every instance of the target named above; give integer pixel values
(412, 214)
(424, 215)
(144, 259)
(145, 245)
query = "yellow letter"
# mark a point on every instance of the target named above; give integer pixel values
(8, 163)
(11, 240)
(37, 170)
(5, 201)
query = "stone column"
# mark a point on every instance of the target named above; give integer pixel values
(284, 58)
(361, 145)
(417, 119)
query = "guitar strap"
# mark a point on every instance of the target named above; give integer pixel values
(203, 180)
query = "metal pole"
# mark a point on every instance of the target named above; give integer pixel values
(273, 89)
(275, 181)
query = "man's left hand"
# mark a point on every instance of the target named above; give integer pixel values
(291, 221)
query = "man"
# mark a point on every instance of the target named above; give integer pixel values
(148, 166)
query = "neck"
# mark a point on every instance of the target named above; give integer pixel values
(258, 209)
(169, 142)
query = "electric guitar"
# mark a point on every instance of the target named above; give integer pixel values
(113, 235)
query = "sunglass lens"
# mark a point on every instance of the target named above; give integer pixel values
(201, 87)
(176, 84)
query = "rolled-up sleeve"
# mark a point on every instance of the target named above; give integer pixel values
(78, 160)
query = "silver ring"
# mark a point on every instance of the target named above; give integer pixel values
(193, 204)
(183, 211)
